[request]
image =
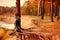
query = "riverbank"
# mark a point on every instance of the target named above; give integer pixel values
(7, 19)
(26, 21)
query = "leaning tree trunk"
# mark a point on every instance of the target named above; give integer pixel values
(52, 10)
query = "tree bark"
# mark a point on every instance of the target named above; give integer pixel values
(57, 13)
(19, 14)
(18, 10)
(42, 14)
(52, 10)
(58, 3)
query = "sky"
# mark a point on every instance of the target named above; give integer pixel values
(10, 3)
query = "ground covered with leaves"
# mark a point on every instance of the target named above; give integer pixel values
(47, 29)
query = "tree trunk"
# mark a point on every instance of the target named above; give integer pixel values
(57, 13)
(52, 10)
(58, 10)
(18, 12)
(42, 14)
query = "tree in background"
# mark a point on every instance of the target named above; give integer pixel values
(30, 7)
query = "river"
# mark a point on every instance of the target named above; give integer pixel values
(6, 25)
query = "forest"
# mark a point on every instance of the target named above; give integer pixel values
(40, 20)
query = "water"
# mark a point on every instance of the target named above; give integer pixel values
(6, 25)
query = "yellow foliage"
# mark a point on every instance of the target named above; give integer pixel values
(2, 32)
(6, 35)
